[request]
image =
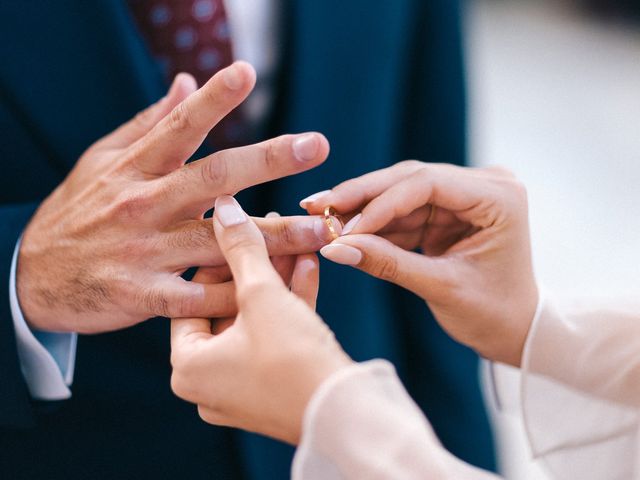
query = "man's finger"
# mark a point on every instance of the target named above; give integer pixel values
(284, 265)
(177, 298)
(427, 277)
(210, 275)
(306, 278)
(194, 242)
(192, 188)
(183, 85)
(353, 194)
(172, 141)
(244, 248)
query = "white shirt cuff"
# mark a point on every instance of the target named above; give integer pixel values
(502, 382)
(47, 359)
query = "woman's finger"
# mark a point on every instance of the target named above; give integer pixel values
(283, 264)
(244, 248)
(473, 198)
(353, 194)
(306, 278)
(423, 275)
(219, 274)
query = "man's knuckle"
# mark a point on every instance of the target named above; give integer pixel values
(155, 302)
(180, 119)
(194, 236)
(270, 155)
(181, 306)
(282, 233)
(215, 171)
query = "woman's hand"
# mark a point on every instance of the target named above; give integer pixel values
(256, 371)
(471, 227)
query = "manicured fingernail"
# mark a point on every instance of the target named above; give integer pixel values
(322, 231)
(305, 147)
(272, 215)
(351, 224)
(229, 212)
(313, 198)
(342, 254)
(233, 77)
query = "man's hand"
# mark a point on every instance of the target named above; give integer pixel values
(106, 249)
(471, 225)
(258, 370)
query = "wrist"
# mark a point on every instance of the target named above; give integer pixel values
(310, 380)
(508, 346)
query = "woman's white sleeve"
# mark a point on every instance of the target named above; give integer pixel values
(580, 389)
(362, 423)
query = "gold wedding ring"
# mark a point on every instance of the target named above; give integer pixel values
(329, 212)
(432, 213)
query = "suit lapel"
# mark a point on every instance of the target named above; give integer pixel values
(92, 68)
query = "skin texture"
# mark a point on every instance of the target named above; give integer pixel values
(106, 249)
(258, 369)
(471, 261)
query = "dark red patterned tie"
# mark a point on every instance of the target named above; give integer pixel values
(191, 36)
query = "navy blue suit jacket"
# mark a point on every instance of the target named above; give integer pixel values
(382, 79)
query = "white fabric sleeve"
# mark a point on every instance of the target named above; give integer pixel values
(361, 423)
(47, 359)
(580, 389)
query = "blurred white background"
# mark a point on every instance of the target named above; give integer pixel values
(555, 96)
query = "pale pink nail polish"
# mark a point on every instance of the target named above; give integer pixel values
(313, 198)
(229, 212)
(342, 254)
(351, 224)
(305, 147)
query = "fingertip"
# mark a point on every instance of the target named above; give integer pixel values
(342, 254)
(310, 147)
(306, 278)
(248, 70)
(240, 75)
(186, 82)
(324, 147)
(307, 263)
(311, 203)
(228, 212)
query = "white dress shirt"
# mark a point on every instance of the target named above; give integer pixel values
(580, 401)
(47, 359)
